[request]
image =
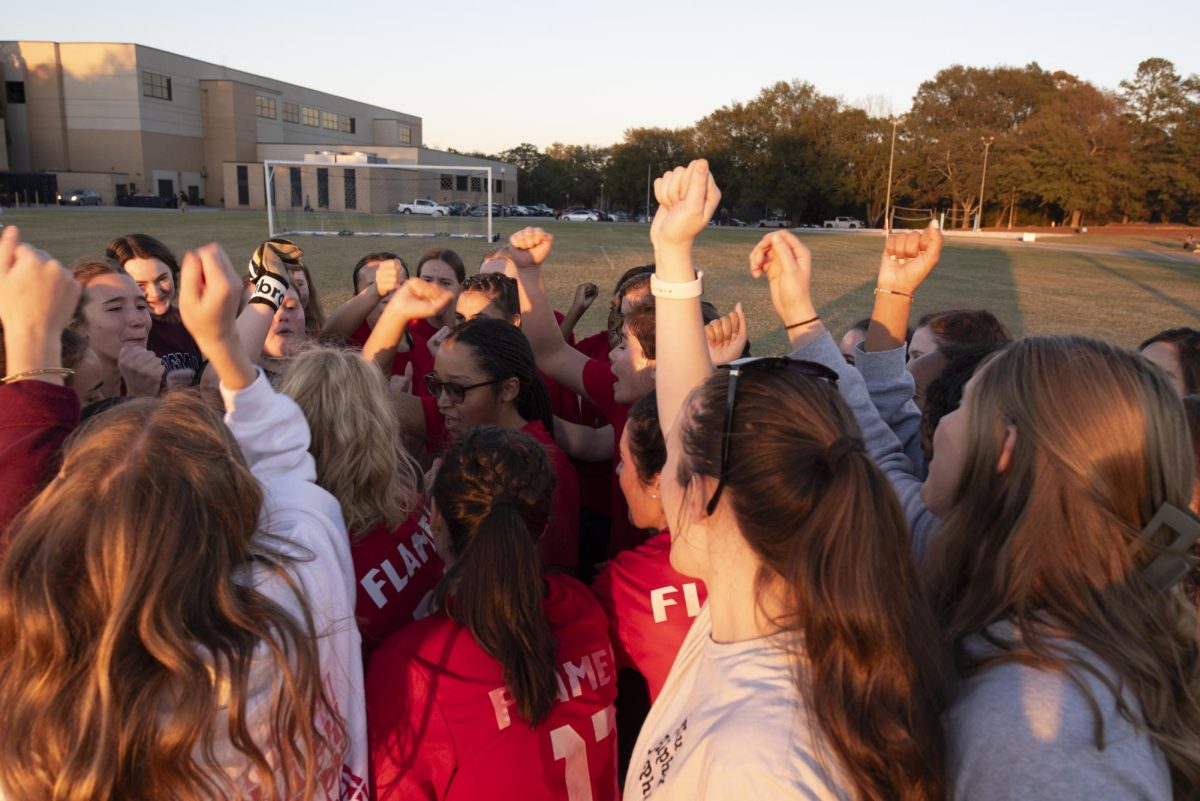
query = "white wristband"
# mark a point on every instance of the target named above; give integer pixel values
(677, 291)
(269, 289)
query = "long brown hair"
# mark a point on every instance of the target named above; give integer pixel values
(493, 492)
(125, 592)
(1053, 544)
(355, 437)
(822, 518)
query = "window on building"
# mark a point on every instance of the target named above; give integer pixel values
(460, 183)
(351, 190)
(312, 117)
(297, 190)
(322, 188)
(329, 120)
(476, 183)
(265, 107)
(499, 185)
(405, 135)
(155, 85)
(14, 91)
(291, 112)
(347, 124)
(243, 185)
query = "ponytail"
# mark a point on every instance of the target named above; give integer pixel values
(824, 519)
(493, 492)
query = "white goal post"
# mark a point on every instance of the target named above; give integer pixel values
(351, 196)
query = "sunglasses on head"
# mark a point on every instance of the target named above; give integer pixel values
(457, 393)
(736, 368)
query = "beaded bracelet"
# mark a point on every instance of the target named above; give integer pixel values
(882, 291)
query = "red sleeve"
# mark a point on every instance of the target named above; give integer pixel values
(411, 746)
(421, 359)
(560, 548)
(604, 588)
(35, 418)
(595, 346)
(598, 381)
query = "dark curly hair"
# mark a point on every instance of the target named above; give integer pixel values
(497, 287)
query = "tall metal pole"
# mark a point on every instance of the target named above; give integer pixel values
(887, 206)
(647, 193)
(987, 143)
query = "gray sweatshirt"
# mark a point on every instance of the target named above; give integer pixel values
(1013, 731)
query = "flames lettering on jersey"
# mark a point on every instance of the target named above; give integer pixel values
(660, 599)
(421, 543)
(596, 667)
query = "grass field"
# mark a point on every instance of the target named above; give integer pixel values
(1121, 288)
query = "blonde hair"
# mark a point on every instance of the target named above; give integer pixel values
(1054, 545)
(356, 440)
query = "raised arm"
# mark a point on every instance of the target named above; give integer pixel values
(907, 260)
(343, 321)
(787, 265)
(528, 248)
(37, 413)
(687, 198)
(585, 295)
(414, 300)
(584, 443)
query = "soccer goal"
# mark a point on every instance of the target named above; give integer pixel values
(904, 217)
(360, 198)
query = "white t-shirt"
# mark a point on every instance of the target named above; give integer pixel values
(729, 723)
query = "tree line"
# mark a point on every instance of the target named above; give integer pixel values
(1059, 150)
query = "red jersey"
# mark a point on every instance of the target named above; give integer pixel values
(396, 570)
(650, 607)
(417, 354)
(442, 723)
(598, 380)
(595, 347)
(559, 544)
(423, 329)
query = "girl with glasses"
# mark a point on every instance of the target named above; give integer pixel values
(812, 670)
(484, 375)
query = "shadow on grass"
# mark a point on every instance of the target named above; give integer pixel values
(1186, 308)
(979, 278)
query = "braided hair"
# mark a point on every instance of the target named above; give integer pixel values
(494, 493)
(499, 289)
(502, 351)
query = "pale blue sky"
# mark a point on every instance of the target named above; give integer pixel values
(490, 75)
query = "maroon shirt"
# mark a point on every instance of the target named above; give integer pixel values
(172, 343)
(35, 419)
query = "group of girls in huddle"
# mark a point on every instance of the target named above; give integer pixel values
(925, 564)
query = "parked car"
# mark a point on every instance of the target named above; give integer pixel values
(775, 222)
(79, 197)
(477, 211)
(457, 207)
(619, 216)
(845, 222)
(541, 210)
(583, 215)
(423, 206)
(736, 223)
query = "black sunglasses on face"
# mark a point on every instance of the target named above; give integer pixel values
(736, 368)
(457, 393)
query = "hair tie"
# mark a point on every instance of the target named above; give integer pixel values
(842, 447)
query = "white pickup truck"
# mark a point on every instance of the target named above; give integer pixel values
(844, 222)
(427, 207)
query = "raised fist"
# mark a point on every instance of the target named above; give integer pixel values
(585, 295)
(388, 277)
(529, 247)
(687, 198)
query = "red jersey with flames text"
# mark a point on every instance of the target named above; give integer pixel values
(443, 725)
(397, 570)
(650, 605)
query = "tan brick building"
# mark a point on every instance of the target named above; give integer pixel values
(128, 119)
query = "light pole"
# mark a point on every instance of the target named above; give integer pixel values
(887, 206)
(648, 193)
(987, 144)
(602, 196)
(503, 192)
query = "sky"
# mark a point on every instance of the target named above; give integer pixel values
(486, 76)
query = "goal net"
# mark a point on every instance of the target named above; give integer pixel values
(904, 217)
(361, 198)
